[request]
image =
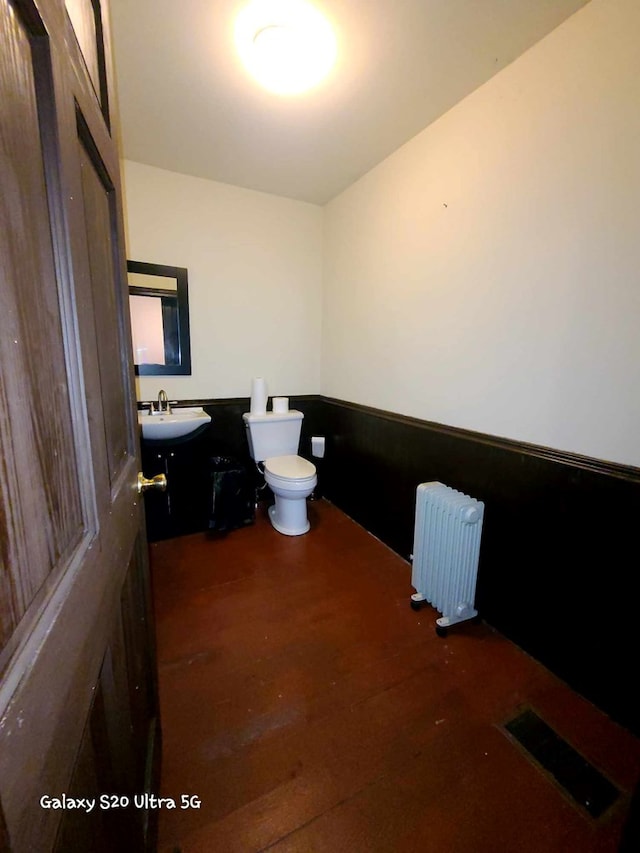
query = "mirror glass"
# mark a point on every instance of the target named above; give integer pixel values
(159, 306)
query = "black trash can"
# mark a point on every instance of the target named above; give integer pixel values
(232, 495)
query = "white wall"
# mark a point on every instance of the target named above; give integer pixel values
(487, 274)
(254, 263)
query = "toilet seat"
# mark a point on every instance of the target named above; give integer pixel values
(289, 469)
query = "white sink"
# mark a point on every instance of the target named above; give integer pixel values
(180, 422)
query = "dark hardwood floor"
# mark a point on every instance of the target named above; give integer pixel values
(308, 708)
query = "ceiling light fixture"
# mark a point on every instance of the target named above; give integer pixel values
(287, 45)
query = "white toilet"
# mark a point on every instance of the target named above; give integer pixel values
(273, 439)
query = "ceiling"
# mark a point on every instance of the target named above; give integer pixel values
(187, 105)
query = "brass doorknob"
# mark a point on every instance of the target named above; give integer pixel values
(157, 482)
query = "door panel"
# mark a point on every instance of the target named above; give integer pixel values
(40, 506)
(114, 744)
(78, 697)
(83, 20)
(139, 647)
(100, 223)
(97, 831)
(86, 28)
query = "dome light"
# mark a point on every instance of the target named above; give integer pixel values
(287, 45)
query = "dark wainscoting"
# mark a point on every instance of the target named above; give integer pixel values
(559, 546)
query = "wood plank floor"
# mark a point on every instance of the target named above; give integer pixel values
(308, 708)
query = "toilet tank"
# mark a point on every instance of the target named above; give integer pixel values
(273, 434)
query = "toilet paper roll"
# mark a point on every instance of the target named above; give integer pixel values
(258, 396)
(280, 404)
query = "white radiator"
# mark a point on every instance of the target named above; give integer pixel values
(446, 548)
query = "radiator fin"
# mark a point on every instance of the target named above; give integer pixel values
(446, 551)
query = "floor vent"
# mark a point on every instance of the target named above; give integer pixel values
(586, 785)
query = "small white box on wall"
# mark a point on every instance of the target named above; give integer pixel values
(317, 446)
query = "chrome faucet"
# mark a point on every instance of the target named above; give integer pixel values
(163, 404)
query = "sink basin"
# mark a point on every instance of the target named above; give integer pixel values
(180, 422)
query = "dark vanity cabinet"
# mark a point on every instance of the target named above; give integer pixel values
(185, 505)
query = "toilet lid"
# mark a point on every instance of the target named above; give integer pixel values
(290, 467)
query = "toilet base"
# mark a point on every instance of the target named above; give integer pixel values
(289, 516)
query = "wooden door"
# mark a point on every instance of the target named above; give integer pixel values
(78, 698)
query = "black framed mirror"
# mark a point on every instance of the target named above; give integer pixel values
(159, 306)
